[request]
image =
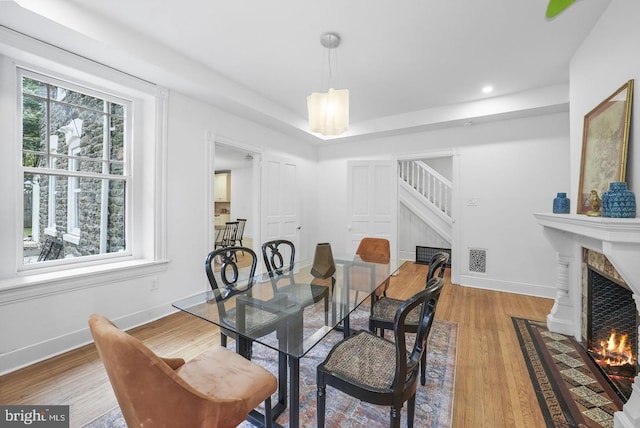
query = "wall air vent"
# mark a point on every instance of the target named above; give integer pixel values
(478, 260)
(424, 254)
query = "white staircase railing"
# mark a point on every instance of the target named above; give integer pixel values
(432, 186)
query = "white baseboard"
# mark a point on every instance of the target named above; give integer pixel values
(23, 357)
(536, 290)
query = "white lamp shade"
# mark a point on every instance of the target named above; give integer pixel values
(329, 112)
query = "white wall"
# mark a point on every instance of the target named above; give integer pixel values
(606, 60)
(510, 180)
(443, 166)
(513, 168)
(412, 231)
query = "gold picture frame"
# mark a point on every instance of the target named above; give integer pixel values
(605, 141)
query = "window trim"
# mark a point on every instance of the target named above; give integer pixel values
(71, 234)
(149, 164)
(73, 230)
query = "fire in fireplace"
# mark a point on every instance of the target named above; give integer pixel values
(615, 355)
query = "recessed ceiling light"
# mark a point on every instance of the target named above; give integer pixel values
(487, 89)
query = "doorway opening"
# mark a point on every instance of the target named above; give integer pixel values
(425, 188)
(236, 189)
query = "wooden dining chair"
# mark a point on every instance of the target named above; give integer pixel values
(280, 269)
(230, 281)
(377, 370)
(368, 271)
(384, 309)
(373, 251)
(216, 389)
(242, 222)
(227, 236)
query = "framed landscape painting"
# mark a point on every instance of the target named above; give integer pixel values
(604, 145)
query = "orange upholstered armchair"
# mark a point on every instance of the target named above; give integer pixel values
(218, 388)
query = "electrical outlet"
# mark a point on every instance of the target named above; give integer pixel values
(154, 284)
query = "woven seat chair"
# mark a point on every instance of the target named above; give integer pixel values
(216, 389)
(258, 320)
(274, 254)
(384, 309)
(377, 370)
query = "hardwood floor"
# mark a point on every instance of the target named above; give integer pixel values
(492, 383)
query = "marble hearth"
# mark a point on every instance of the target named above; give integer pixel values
(619, 241)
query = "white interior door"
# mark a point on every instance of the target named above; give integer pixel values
(280, 210)
(372, 202)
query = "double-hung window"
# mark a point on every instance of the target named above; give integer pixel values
(76, 170)
(84, 166)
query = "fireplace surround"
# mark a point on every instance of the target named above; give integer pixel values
(609, 322)
(619, 241)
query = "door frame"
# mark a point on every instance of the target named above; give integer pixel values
(456, 203)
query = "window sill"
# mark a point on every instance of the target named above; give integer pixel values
(72, 238)
(45, 284)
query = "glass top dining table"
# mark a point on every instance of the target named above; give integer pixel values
(354, 281)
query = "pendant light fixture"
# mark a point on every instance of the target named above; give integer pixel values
(329, 111)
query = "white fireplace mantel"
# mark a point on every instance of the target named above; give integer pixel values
(619, 240)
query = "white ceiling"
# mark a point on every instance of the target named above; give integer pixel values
(406, 63)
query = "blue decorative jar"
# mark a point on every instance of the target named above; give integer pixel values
(561, 204)
(619, 202)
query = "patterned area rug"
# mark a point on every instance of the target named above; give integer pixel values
(571, 390)
(434, 401)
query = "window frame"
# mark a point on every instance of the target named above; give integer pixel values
(148, 163)
(72, 233)
(72, 175)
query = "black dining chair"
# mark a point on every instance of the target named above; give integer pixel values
(377, 370)
(384, 309)
(51, 250)
(274, 254)
(257, 318)
(227, 236)
(242, 222)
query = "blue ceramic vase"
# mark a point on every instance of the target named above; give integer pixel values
(618, 201)
(561, 204)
